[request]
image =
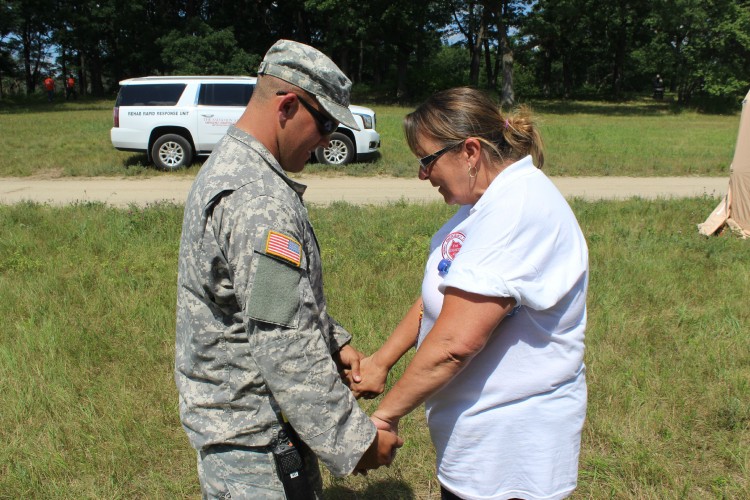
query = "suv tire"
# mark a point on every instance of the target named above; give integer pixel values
(340, 150)
(171, 152)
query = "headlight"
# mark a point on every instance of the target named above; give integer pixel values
(367, 120)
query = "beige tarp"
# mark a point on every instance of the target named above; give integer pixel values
(734, 209)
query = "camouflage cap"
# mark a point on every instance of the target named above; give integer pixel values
(311, 70)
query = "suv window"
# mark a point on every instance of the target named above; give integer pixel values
(225, 94)
(158, 94)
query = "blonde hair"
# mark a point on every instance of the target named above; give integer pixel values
(452, 116)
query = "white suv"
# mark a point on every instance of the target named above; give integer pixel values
(173, 118)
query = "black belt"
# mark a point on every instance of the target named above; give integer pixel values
(224, 447)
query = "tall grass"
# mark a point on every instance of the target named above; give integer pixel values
(637, 138)
(88, 408)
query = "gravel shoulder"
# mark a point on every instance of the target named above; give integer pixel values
(321, 190)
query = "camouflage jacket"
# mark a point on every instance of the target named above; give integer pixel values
(251, 315)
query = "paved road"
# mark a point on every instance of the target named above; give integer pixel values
(122, 192)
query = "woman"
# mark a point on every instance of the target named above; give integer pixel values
(500, 324)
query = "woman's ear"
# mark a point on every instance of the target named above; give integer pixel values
(473, 148)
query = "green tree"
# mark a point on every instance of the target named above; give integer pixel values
(561, 47)
(205, 51)
(257, 25)
(403, 38)
(108, 40)
(29, 23)
(341, 28)
(701, 45)
(487, 26)
(84, 30)
(8, 66)
(618, 29)
(471, 20)
(587, 45)
(557, 41)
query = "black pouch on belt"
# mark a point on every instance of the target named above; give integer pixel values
(291, 469)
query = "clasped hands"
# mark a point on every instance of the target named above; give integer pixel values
(366, 379)
(363, 375)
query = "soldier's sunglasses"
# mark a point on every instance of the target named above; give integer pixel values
(326, 125)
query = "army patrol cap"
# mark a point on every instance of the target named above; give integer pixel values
(311, 70)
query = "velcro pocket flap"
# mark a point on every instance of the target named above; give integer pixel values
(275, 295)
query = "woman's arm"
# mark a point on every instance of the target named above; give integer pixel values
(374, 369)
(462, 329)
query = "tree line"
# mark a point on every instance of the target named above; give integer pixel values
(398, 49)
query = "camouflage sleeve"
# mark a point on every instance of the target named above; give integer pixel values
(286, 341)
(338, 335)
(300, 373)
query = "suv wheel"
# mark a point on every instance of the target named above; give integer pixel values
(340, 150)
(171, 152)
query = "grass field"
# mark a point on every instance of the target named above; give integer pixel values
(637, 138)
(88, 407)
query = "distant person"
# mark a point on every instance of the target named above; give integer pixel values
(257, 355)
(70, 88)
(658, 88)
(499, 326)
(49, 86)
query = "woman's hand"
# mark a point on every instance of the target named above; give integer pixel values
(385, 424)
(373, 377)
(348, 363)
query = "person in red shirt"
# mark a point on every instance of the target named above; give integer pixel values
(70, 88)
(49, 86)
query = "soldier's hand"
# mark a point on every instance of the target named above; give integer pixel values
(381, 452)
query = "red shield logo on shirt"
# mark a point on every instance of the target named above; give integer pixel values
(452, 244)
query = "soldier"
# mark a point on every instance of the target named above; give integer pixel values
(257, 355)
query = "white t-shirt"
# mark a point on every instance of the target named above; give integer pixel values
(509, 424)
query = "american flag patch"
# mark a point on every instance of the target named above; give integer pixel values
(283, 246)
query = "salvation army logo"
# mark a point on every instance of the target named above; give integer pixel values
(452, 244)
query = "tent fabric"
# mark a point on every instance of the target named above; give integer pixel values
(739, 211)
(717, 218)
(734, 209)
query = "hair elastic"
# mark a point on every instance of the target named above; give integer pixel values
(506, 123)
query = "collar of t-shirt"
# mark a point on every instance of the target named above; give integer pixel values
(521, 168)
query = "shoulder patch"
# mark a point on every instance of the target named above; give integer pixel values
(452, 244)
(284, 247)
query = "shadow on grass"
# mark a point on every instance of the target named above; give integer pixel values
(36, 104)
(138, 162)
(365, 165)
(643, 106)
(630, 108)
(382, 490)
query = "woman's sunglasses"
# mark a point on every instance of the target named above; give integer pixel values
(426, 161)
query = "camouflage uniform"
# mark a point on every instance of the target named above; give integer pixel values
(253, 329)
